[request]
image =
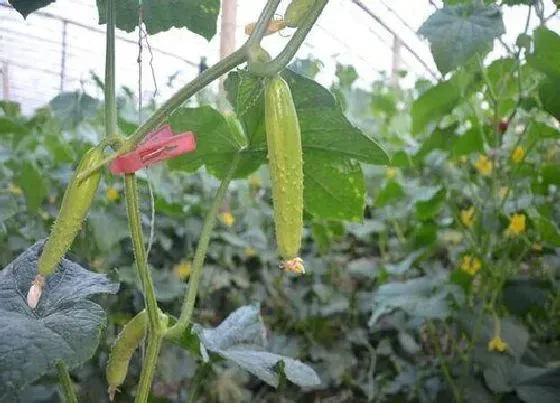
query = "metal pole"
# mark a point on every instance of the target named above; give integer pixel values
(396, 62)
(5, 82)
(63, 56)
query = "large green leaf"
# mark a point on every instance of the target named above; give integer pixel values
(198, 16)
(240, 338)
(426, 209)
(547, 52)
(65, 325)
(537, 385)
(457, 33)
(333, 181)
(216, 144)
(338, 180)
(33, 185)
(434, 104)
(9, 126)
(71, 108)
(426, 297)
(26, 7)
(549, 93)
(469, 142)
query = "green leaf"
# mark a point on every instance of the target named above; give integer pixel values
(65, 325)
(108, 229)
(513, 333)
(33, 185)
(549, 94)
(539, 130)
(26, 7)
(332, 179)
(8, 126)
(11, 109)
(323, 126)
(469, 142)
(550, 174)
(392, 192)
(502, 78)
(216, 144)
(457, 33)
(548, 231)
(442, 139)
(337, 180)
(240, 339)
(434, 104)
(522, 296)
(429, 208)
(537, 385)
(71, 108)
(498, 374)
(166, 285)
(424, 297)
(546, 53)
(9, 207)
(198, 16)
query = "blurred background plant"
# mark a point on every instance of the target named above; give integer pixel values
(446, 291)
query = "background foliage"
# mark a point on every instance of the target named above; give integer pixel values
(456, 250)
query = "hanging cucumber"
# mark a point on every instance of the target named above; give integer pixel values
(122, 350)
(75, 206)
(285, 159)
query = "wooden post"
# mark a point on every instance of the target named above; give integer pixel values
(227, 38)
(396, 62)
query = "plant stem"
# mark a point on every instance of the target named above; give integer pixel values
(457, 398)
(262, 23)
(275, 66)
(110, 102)
(200, 254)
(162, 113)
(148, 368)
(66, 383)
(135, 226)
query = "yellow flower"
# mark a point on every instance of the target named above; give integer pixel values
(112, 194)
(255, 181)
(467, 217)
(250, 252)
(517, 224)
(484, 165)
(471, 265)
(497, 344)
(14, 189)
(182, 270)
(463, 159)
(518, 154)
(391, 172)
(503, 192)
(226, 218)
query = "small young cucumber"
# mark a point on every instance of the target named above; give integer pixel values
(285, 159)
(75, 206)
(122, 350)
(297, 10)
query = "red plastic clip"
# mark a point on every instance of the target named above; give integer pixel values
(157, 146)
